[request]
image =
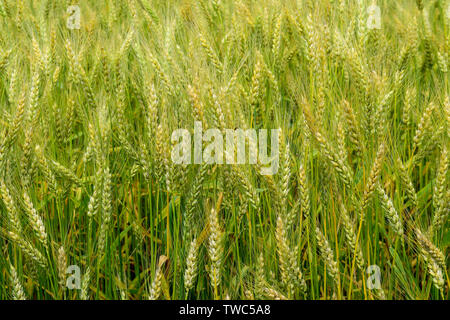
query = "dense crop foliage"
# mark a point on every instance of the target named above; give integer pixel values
(357, 210)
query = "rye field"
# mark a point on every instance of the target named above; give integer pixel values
(98, 99)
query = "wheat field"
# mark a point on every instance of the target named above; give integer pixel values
(92, 205)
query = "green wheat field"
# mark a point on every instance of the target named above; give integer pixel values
(93, 207)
